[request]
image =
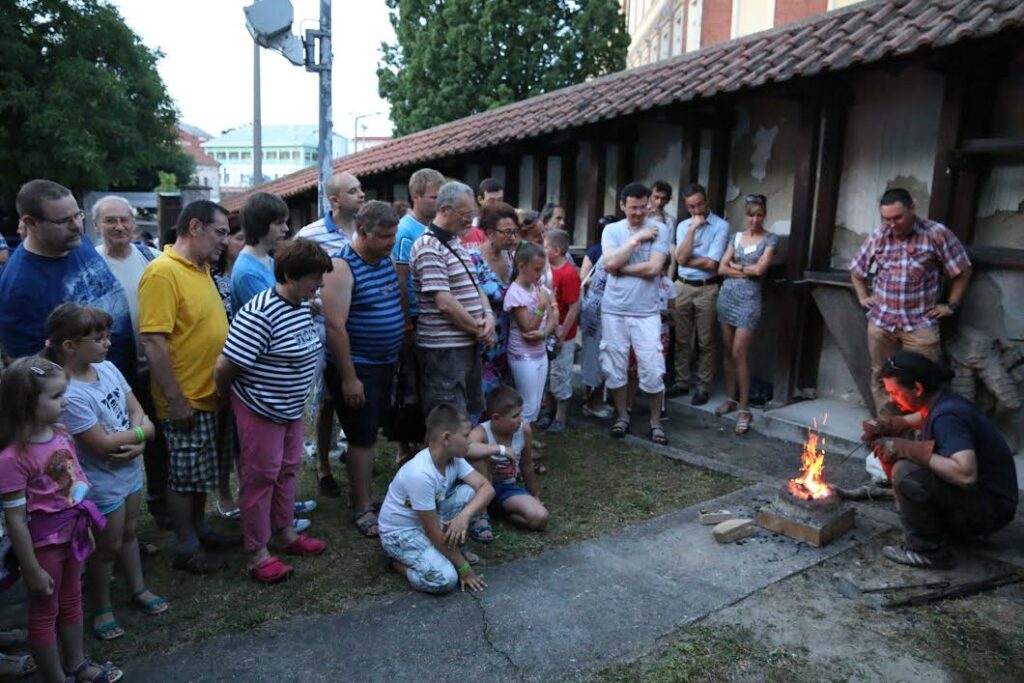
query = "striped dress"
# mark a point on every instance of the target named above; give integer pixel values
(276, 345)
(376, 324)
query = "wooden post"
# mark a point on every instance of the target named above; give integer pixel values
(539, 180)
(595, 188)
(626, 138)
(689, 166)
(567, 186)
(512, 180)
(718, 176)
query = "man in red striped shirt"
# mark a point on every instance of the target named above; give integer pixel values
(907, 255)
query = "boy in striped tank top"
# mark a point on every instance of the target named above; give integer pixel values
(365, 329)
(506, 428)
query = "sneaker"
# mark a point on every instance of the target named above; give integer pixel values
(556, 427)
(543, 422)
(604, 412)
(699, 398)
(328, 486)
(677, 390)
(301, 525)
(901, 554)
(197, 562)
(304, 506)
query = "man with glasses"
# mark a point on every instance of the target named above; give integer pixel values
(54, 264)
(183, 327)
(701, 241)
(455, 316)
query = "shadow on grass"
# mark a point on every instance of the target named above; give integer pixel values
(595, 485)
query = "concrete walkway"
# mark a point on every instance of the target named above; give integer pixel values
(567, 612)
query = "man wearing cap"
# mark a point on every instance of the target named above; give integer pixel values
(958, 481)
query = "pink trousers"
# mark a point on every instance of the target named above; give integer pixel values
(64, 605)
(269, 457)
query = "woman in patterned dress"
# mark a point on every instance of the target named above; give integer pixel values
(739, 305)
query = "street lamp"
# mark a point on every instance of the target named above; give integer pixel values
(270, 23)
(355, 128)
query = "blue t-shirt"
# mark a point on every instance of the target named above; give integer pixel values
(249, 277)
(31, 286)
(409, 230)
(957, 425)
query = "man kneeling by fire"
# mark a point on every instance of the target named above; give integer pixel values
(957, 481)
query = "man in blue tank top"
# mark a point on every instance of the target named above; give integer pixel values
(365, 326)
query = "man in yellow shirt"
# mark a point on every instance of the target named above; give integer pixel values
(183, 328)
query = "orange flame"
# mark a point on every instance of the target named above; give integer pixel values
(810, 485)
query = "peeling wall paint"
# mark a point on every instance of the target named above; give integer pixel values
(764, 138)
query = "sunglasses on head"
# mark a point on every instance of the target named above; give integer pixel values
(756, 199)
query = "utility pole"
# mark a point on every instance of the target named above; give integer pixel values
(326, 147)
(257, 119)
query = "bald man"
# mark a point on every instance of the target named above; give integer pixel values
(332, 232)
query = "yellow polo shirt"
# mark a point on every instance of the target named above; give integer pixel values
(180, 300)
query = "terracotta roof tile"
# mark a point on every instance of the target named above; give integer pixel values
(862, 33)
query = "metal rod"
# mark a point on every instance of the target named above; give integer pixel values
(257, 119)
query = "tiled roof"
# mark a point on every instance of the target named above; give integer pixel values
(192, 146)
(860, 34)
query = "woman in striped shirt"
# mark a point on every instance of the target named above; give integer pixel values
(267, 367)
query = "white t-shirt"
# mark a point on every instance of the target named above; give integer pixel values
(628, 295)
(128, 272)
(418, 486)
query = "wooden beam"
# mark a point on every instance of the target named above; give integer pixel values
(689, 165)
(539, 180)
(625, 138)
(950, 121)
(595, 187)
(512, 180)
(567, 186)
(830, 170)
(718, 176)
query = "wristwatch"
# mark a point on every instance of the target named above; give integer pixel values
(952, 306)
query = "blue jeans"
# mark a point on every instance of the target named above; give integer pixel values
(429, 570)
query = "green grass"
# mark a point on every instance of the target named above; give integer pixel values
(595, 485)
(702, 653)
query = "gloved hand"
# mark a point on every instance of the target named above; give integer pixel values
(883, 426)
(893, 449)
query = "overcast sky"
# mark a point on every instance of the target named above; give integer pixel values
(207, 64)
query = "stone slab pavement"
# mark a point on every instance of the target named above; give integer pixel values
(563, 614)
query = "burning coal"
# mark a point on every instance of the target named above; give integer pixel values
(810, 485)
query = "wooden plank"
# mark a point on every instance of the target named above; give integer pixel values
(689, 165)
(539, 180)
(593, 198)
(626, 138)
(950, 120)
(512, 180)
(1003, 147)
(830, 169)
(848, 326)
(1002, 258)
(567, 186)
(718, 176)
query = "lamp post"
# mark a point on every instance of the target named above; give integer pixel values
(257, 119)
(270, 24)
(355, 128)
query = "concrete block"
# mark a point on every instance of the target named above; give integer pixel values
(712, 517)
(734, 530)
(816, 528)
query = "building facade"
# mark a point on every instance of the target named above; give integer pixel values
(286, 149)
(207, 173)
(660, 29)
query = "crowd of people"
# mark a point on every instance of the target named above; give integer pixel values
(453, 328)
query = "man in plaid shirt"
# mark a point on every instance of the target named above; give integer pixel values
(907, 256)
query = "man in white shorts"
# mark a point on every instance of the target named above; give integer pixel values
(634, 252)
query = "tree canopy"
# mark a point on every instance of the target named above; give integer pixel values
(81, 101)
(454, 58)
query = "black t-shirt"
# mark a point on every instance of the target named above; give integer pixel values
(956, 425)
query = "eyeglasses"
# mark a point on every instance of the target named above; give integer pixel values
(98, 340)
(65, 222)
(221, 232)
(756, 199)
(509, 232)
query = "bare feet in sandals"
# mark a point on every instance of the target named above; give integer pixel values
(366, 521)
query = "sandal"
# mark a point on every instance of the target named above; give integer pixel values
(271, 571)
(108, 673)
(152, 607)
(619, 428)
(540, 468)
(304, 546)
(366, 521)
(727, 406)
(111, 630)
(657, 435)
(743, 421)
(480, 529)
(13, 636)
(17, 667)
(234, 513)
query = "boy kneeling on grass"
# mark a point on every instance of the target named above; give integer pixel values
(429, 504)
(506, 430)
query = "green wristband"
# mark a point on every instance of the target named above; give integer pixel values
(540, 313)
(464, 568)
(140, 435)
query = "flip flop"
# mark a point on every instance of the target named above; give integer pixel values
(152, 607)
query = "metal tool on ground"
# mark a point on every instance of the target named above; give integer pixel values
(848, 589)
(959, 590)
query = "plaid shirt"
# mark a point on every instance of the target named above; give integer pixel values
(908, 273)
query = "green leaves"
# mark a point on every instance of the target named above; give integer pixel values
(455, 58)
(81, 101)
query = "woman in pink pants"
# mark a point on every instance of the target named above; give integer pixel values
(267, 367)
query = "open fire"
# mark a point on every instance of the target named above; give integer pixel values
(810, 485)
